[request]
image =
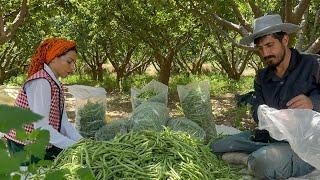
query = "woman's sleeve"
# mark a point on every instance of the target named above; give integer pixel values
(68, 129)
(39, 98)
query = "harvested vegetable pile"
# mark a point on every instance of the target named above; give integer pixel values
(196, 105)
(110, 130)
(185, 125)
(90, 118)
(149, 115)
(146, 155)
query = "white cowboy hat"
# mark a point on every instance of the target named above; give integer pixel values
(266, 25)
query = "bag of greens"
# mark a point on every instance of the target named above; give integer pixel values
(111, 129)
(196, 106)
(185, 125)
(154, 91)
(149, 115)
(90, 108)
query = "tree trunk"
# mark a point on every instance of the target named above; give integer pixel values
(165, 69)
(100, 73)
(94, 74)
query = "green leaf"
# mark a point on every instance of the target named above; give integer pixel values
(37, 149)
(21, 134)
(16, 177)
(20, 156)
(2, 145)
(57, 174)
(32, 168)
(85, 174)
(5, 176)
(8, 164)
(43, 136)
(44, 163)
(15, 117)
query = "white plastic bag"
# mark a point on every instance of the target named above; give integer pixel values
(160, 90)
(90, 108)
(300, 127)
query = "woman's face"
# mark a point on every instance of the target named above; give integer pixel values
(64, 65)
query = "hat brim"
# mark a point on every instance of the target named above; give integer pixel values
(284, 27)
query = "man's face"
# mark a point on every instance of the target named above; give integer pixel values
(271, 50)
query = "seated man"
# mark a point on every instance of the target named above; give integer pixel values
(290, 80)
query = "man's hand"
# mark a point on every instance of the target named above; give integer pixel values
(300, 102)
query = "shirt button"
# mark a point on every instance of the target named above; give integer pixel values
(281, 82)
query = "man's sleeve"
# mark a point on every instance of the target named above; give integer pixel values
(257, 99)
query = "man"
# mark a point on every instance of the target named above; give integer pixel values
(290, 80)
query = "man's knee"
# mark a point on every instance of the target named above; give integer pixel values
(276, 161)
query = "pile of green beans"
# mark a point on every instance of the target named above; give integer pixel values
(146, 155)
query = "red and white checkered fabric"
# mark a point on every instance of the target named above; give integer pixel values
(56, 109)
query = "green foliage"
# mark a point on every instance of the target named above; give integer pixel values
(15, 117)
(16, 80)
(238, 115)
(137, 81)
(84, 79)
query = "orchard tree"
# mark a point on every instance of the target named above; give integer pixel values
(303, 12)
(12, 16)
(161, 25)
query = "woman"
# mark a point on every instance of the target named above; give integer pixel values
(43, 94)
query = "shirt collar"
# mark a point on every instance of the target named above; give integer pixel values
(294, 61)
(51, 74)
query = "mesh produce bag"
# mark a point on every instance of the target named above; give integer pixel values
(149, 115)
(90, 108)
(185, 125)
(110, 130)
(154, 91)
(196, 105)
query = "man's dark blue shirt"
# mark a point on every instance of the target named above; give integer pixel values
(301, 77)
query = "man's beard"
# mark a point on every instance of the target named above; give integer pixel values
(279, 62)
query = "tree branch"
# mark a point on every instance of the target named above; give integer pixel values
(239, 16)
(234, 42)
(229, 25)
(315, 47)
(315, 25)
(299, 10)
(1, 21)
(301, 33)
(9, 31)
(288, 11)
(255, 9)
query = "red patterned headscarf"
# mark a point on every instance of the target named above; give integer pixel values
(47, 51)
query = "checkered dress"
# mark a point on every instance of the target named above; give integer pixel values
(56, 109)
